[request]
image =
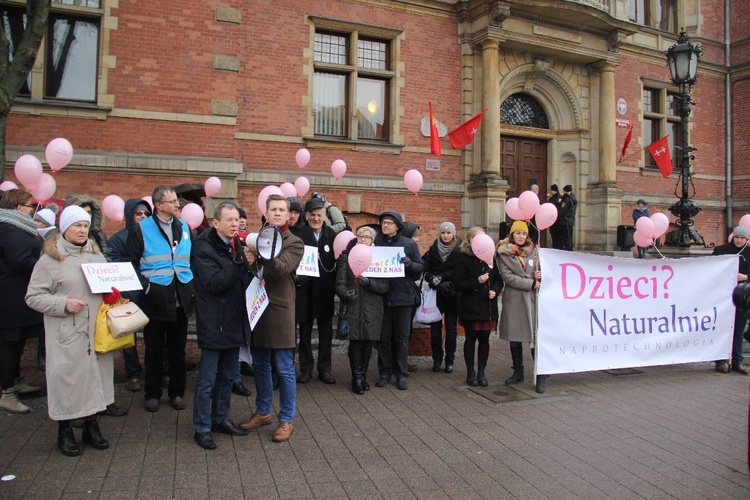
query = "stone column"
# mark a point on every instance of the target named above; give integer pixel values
(607, 129)
(491, 101)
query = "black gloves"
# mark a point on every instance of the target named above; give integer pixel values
(406, 261)
(350, 296)
(435, 281)
(364, 281)
(446, 288)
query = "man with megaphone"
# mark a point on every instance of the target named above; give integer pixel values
(274, 334)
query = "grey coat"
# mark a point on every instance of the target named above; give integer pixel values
(79, 381)
(518, 320)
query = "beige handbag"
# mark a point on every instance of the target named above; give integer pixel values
(126, 318)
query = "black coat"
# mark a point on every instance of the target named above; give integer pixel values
(220, 283)
(303, 283)
(743, 256)
(160, 303)
(366, 311)
(403, 291)
(19, 252)
(434, 266)
(475, 303)
(320, 291)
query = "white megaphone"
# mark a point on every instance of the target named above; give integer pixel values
(268, 242)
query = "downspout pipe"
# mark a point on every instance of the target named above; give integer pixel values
(728, 112)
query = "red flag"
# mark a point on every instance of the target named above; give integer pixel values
(464, 134)
(627, 142)
(660, 151)
(434, 137)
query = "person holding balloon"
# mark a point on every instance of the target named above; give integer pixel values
(518, 262)
(20, 247)
(365, 298)
(640, 210)
(479, 284)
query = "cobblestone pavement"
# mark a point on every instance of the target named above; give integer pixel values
(674, 431)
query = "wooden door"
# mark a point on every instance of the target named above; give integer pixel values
(523, 162)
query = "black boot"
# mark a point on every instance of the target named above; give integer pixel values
(471, 377)
(365, 365)
(516, 354)
(355, 364)
(357, 387)
(481, 379)
(66, 441)
(541, 382)
(93, 436)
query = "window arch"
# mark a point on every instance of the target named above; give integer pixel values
(524, 111)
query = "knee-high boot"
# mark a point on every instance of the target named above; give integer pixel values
(516, 354)
(483, 355)
(367, 353)
(355, 362)
(469, 346)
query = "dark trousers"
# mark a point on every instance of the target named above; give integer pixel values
(359, 357)
(10, 361)
(559, 233)
(393, 348)
(569, 238)
(436, 337)
(472, 337)
(325, 341)
(153, 338)
(133, 366)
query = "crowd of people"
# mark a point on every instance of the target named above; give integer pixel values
(206, 272)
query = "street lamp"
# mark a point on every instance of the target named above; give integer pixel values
(682, 59)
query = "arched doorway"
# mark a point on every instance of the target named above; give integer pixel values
(523, 161)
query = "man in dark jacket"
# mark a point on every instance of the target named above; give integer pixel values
(399, 303)
(221, 277)
(558, 231)
(135, 211)
(319, 294)
(571, 202)
(159, 249)
(738, 246)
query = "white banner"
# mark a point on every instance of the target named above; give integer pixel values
(308, 266)
(386, 263)
(102, 276)
(598, 313)
(256, 301)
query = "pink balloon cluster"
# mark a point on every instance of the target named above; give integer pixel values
(360, 257)
(341, 241)
(527, 206)
(647, 229)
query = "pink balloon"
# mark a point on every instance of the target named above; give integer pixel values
(645, 226)
(661, 224)
(512, 210)
(212, 186)
(192, 214)
(8, 185)
(528, 204)
(731, 237)
(341, 241)
(360, 257)
(745, 221)
(45, 188)
(150, 202)
(302, 185)
(546, 216)
(113, 207)
(483, 247)
(28, 170)
(288, 189)
(302, 158)
(59, 152)
(641, 240)
(413, 181)
(338, 169)
(264, 194)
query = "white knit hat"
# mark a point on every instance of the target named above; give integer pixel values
(45, 216)
(71, 215)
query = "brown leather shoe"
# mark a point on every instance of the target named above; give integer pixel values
(722, 367)
(740, 369)
(282, 432)
(256, 421)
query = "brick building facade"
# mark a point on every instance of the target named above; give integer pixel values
(173, 92)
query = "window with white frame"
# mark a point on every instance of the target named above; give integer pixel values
(70, 49)
(353, 80)
(661, 116)
(660, 14)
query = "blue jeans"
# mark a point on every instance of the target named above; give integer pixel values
(284, 360)
(436, 334)
(213, 388)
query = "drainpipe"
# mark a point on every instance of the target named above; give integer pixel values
(728, 113)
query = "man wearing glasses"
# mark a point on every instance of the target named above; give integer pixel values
(159, 249)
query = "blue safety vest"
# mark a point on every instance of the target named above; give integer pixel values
(160, 261)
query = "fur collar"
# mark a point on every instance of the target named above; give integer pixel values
(59, 253)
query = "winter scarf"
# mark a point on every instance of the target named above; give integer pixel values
(520, 253)
(18, 219)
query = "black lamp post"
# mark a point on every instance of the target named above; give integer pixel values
(682, 59)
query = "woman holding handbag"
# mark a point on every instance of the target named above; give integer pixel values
(439, 273)
(479, 286)
(364, 297)
(79, 381)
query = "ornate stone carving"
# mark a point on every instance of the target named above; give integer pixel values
(615, 40)
(498, 13)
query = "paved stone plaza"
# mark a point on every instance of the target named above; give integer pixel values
(664, 432)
